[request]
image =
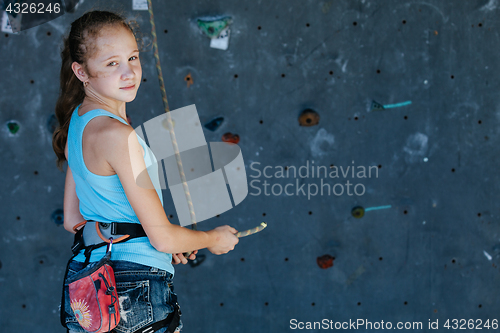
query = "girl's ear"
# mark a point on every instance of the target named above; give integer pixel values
(79, 72)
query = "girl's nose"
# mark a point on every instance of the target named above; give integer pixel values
(129, 72)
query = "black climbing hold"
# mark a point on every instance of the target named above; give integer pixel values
(199, 259)
(52, 123)
(377, 106)
(308, 117)
(13, 126)
(358, 212)
(58, 216)
(214, 123)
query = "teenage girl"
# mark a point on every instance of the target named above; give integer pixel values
(100, 73)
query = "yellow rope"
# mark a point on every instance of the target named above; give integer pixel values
(251, 231)
(174, 141)
(169, 119)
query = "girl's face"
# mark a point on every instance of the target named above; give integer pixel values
(115, 66)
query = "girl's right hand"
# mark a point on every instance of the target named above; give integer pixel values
(224, 239)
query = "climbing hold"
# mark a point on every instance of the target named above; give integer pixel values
(214, 123)
(308, 117)
(13, 126)
(189, 80)
(58, 216)
(52, 123)
(376, 106)
(212, 28)
(325, 261)
(197, 261)
(358, 212)
(229, 137)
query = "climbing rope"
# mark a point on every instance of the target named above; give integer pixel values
(251, 231)
(169, 119)
(174, 141)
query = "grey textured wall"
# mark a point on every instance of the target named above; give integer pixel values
(433, 255)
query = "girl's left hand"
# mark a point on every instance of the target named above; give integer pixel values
(177, 258)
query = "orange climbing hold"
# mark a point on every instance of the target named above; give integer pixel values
(325, 261)
(308, 117)
(189, 80)
(230, 137)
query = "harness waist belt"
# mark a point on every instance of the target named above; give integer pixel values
(97, 234)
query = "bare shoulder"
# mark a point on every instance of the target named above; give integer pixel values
(118, 139)
(121, 147)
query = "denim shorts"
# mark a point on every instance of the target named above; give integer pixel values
(146, 295)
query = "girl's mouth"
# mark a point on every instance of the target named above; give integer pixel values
(129, 88)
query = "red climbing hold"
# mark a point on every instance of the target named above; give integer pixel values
(325, 261)
(230, 137)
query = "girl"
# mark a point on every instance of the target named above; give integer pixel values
(100, 73)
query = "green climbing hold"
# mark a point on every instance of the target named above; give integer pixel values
(13, 127)
(358, 212)
(377, 106)
(213, 28)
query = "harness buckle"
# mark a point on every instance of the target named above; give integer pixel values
(104, 225)
(113, 228)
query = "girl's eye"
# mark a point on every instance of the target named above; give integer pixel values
(136, 57)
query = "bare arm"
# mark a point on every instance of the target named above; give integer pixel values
(123, 153)
(71, 204)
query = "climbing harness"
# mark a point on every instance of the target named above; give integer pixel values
(95, 234)
(92, 291)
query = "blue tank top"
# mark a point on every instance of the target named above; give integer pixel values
(103, 199)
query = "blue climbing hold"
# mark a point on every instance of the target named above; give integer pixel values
(214, 123)
(58, 216)
(199, 259)
(52, 123)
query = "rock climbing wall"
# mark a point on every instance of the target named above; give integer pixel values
(369, 131)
